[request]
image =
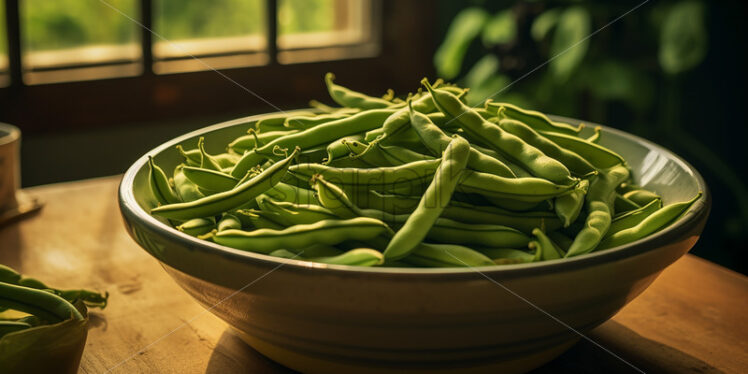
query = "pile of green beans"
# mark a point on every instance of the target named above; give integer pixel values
(419, 181)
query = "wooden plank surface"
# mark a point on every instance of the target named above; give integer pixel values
(690, 320)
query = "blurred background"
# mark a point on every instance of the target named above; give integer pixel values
(92, 90)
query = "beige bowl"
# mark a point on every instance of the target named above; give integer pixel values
(322, 318)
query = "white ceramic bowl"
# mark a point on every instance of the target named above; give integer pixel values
(321, 318)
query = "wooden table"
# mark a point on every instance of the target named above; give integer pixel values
(690, 320)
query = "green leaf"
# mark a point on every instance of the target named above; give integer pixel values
(544, 23)
(489, 88)
(485, 68)
(500, 29)
(683, 39)
(464, 29)
(613, 80)
(570, 43)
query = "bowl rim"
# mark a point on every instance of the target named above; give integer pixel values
(692, 218)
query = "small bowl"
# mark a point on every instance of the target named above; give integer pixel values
(319, 318)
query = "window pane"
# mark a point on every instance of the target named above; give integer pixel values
(216, 28)
(322, 23)
(69, 33)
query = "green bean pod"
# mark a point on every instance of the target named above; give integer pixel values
(197, 226)
(396, 155)
(436, 141)
(433, 202)
(229, 221)
(185, 188)
(259, 219)
(296, 214)
(192, 157)
(353, 257)
(9, 275)
(207, 161)
(159, 184)
(653, 223)
(536, 120)
(595, 137)
(223, 201)
(633, 217)
(306, 122)
(507, 256)
(45, 305)
(597, 155)
(641, 196)
(448, 231)
(623, 204)
(544, 248)
(349, 98)
(573, 161)
(499, 140)
(600, 209)
(209, 179)
(338, 148)
(528, 189)
(328, 232)
(315, 136)
(445, 255)
(292, 194)
(404, 178)
(254, 140)
(568, 206)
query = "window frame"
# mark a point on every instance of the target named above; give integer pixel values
(405, 46)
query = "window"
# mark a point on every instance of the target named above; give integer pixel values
(74, 40)
(75, 64)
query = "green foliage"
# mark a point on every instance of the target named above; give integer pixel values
(570, 42)
(683, 39)
(464, 29)
(500, 29)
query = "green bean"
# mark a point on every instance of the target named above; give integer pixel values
(398, 121)
(314, 136)
(445, 255)
(528, 189)
(9, 275)
(295, 214)
(396, 155)
(536, 120)
(354, 257)
(329, 232)
(436, 142)
(197, 226)
(433, 202)
(598, 156)
(599, 203)
(292, 194)
(447, 231)
(622, 204)
(323, 108)
(573, 161)
(653, 223)
(305, 122)
(229, 221)
(507, 256)
(569, 206)
(45, 305)
(228, 200)
(641, 196)
(334, 198)
(254, 140)
(274, 122)
(350, 98)
(371, 155)
(404, 178)
(206, 161)
(338, 148)
(192, 157)
(500, 141)
(544, 248)
(633, 217)
(259, 219)
(8, 327)
(393, 204)
(564, 242)
(159, 184)
(209, 179)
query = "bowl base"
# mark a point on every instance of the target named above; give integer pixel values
(314, 364)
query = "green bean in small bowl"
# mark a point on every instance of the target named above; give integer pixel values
(412, 233)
